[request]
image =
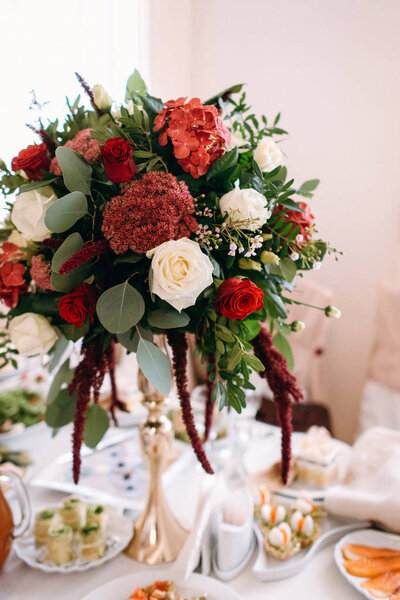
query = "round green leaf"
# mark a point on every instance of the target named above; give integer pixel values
(119, 308)
(283, 346)
(62, 410)
(155, 365)
(68, 282)
(76, 171)
(167, 318)
(70, 245)
(63, 375)
(66, 211)
(96, 425)
(130, 339)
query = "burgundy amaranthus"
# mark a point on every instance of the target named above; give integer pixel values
(178, 342)
(52, 243)
(209, 409)
(284, 388)
(87, 380)
(46, 139)
(89, 92)
(91, 250)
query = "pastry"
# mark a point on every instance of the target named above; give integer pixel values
(59, 545)
(44, 521)
(73, 512)
(280, 543)
(306, 529)
(317, 457)
(91, 541)
(96, 513)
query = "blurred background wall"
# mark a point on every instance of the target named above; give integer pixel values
(332, 67)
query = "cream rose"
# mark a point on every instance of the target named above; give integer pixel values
(29, 212)
(180, 272)
(267, 155)
(238, 141)
(32, 334)
(102, 98)
(16, 238)
(245, 208)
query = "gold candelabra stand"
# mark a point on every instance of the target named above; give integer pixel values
(158, 536)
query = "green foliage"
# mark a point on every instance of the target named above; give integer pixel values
(57, 351)
(66, 211)
(135, 86)
(62, 410)
(130, 339)
(70, 246)
(223, 164)
(96, 425)
(167, 318)
(281, 344)
(120, 307)
(155, 365)
(234, 89)
(76, 171)
(62, 377)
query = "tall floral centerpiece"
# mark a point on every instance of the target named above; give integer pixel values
(152, 218)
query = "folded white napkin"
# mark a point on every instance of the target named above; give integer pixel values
(371, 487)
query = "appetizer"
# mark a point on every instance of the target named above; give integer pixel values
(306, 506)
(317, 458)
(305, 527)
(381, 566)
(20, 406)
(272, 515)
(60, 545)
(91, 541)
(280, 543)
(73, 512)
(44, 521)
(96, 513)
(161, 590)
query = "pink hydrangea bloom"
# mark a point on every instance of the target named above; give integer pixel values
(40, 273)
(88, 147)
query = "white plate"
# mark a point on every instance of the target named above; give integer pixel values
(267, 568)
(266, 451)
(196, 585)
(119, 533)
(365, 537)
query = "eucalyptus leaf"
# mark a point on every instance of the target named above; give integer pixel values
(155, 365)
(62, 410)
(69, 281)
(70, 246)
(130, 339)
(65, 212)
(167, 318)
(120, 307)
(73, 333)
(76, 171)
(283, 346)
(35, 185)
(58, 350)
(63, 376)
(96, 425)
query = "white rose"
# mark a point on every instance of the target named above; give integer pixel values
(267, 155)
(32, 334)
(102, 98)
(29, 212)
(246, 208)
(180, 272)
(238, 141)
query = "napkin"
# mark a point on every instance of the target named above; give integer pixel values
(371, 487)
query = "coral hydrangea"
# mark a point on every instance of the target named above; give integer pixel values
(12, 282)
(40, 272)
(150, 211)
(196, 132)
(88, 147)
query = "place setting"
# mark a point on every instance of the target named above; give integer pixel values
(181, 414)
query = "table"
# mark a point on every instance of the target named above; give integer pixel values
(321, 579)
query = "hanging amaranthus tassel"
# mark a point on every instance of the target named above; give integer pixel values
(83, 255)
(178, 342)
(284, 388)
(87, 380)
(209, 409)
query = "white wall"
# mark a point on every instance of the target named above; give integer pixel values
(332, 67)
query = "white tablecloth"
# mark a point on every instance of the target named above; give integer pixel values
(320, 580)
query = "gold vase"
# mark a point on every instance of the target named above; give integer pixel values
(158, 536)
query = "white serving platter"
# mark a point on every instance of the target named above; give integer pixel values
(365, 537)
(196, 585)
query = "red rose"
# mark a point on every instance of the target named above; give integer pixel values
(304, 219)
(116, 156)
(238, 298)
(33, 161)
(78, 304)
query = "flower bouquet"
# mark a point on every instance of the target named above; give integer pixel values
(152, 218)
